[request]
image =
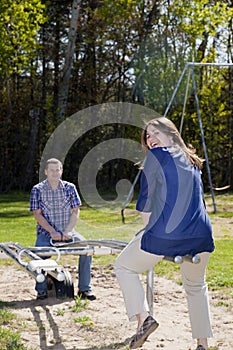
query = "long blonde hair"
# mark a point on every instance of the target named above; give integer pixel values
(166, 126)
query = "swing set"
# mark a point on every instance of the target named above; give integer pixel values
(189, 67)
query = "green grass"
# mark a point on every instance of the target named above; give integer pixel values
(80, 304)
(84, 320)
(220, 267)
(9, 339)
(18, 225)
(5, 315)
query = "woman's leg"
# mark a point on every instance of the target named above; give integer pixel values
(193, 276)
(130, 263)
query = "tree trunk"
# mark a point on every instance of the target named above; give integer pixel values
(34, 118)
(64, 83)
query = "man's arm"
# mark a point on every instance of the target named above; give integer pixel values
(46, 226)
(73, 219)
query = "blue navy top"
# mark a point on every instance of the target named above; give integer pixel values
(171, 190)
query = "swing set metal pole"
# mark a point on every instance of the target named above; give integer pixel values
(139, 172)
(189, 65)
(185, 101)
(203, 138)
(175, 91)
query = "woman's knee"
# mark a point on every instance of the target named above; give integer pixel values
(117, 266)
(194, 287)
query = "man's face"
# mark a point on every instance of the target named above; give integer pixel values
(53, 172)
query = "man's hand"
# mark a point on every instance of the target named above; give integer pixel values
(67, 237)
(56, 236)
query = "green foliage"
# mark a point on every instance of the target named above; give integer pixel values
(216, 118)
(5, 316)
(126, 51)
(60, 312)
(80, 304)
(19, 24)
(9, 339)
(201, 16)
(84, 320)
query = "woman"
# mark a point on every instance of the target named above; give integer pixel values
(176, 223)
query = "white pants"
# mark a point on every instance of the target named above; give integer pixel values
(133, 260)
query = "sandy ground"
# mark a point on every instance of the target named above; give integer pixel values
(51, 323)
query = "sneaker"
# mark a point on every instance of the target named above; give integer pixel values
(42, 295)
(148, 326)
(87, 295)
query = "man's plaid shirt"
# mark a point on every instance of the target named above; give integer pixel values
(55, 205)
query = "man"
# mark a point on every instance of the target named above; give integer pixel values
(55, 205)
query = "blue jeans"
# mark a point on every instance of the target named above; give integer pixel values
(84, 267)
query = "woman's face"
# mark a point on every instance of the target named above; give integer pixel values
(156, 138)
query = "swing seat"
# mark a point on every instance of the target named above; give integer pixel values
(49, 265)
